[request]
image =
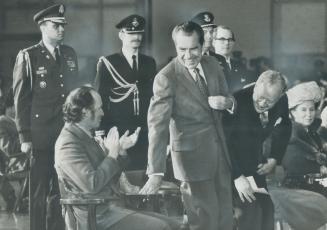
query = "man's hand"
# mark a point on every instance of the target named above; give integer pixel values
(111, 143)
(152, 185)
(220, 102)
(323, 170)
(26, 147)
(126, 141)
(244, 189)
(268, 167)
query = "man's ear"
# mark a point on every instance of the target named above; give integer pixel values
(85, 112)
(121, 34)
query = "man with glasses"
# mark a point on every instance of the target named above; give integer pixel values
(262, 111)
(43, 76)
(236, 74)
(124, 81)
(206, 21)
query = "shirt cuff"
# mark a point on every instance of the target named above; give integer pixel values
(156, 174)
(231, 110)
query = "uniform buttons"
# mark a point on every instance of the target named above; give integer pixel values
(36, 115)
(62, 95)
(61, 85)
(60, 76)
(42, 75)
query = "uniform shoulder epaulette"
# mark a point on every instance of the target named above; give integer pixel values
(30, 48)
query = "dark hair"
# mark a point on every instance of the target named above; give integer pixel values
(77, 100)
(189, 28)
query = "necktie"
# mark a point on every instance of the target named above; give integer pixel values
(200, 82)
(264, 118)
(57, 55)
(134, 67)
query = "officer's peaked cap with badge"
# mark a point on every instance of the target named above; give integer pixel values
(53, 13)
(132, 24)
(204, 19)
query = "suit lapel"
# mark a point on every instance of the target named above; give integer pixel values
(94, 151)
(185, 78)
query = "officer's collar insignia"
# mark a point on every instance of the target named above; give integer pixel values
(61, 9)
(135, 23)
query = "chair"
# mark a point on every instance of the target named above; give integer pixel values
(90, 203)
(17, 169)
(68, 201)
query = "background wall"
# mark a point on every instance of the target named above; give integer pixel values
(250, 20)
(259, 26)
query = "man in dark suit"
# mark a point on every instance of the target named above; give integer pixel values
(124, 80)
(91, 168)
(262, 111)
(206, 21)
(43, 75)
(236, 74)
(190, 94)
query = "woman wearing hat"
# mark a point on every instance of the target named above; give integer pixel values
(301, 203)
(305, 153)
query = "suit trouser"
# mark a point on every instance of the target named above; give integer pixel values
(146, 221)
(208, 203)
(258, 215)
(45, 210)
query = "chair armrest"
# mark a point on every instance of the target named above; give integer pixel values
(86, 201)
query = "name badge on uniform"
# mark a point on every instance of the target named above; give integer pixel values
(71, 64)
(41, 70)
(43, 84)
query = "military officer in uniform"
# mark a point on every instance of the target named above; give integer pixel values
(223, 43)
(43, 75)
(206, 21)
(124, 80)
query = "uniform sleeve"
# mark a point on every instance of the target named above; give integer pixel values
(22, 89)
(159, 114)
(103, 86)
(72, 159)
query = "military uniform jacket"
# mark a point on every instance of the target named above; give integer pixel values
(121, 114)
(40, 87)
(236, 76)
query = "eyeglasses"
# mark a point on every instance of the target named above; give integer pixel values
(225, 39)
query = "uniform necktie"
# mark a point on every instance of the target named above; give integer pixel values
(134, 67)
(57, 55)
(264, 119)
(200, 82)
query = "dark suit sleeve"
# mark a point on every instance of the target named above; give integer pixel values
(230, 128)
(22, 88)
(159, 115)
(8, 145)
(281, 133)
(74, 162)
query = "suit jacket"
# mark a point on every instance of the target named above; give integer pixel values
(121, 114)
(246, 135)
(40, 88)
(85, 171)
(236, 76)
(196, 134)
(300, 156)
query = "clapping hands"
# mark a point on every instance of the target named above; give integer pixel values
(115, 145)
(127, 141)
